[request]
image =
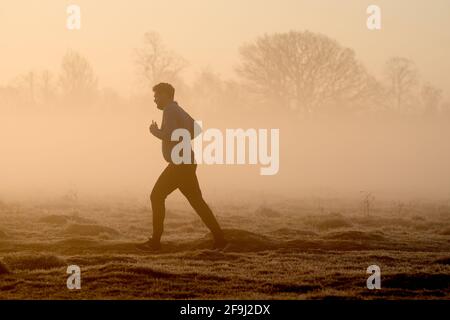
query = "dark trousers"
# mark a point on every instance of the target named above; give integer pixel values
(181, 177)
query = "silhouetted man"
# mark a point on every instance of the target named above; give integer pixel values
(176, 176)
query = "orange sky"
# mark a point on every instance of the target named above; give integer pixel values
(114, 151)
(208, 33)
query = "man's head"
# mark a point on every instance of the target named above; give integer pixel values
(163, 94)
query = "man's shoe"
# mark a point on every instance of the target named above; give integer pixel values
(220, 244)
(149, 245)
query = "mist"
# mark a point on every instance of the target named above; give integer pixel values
(94, 138)
(110, 152)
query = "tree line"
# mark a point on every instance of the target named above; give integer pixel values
(297, 72)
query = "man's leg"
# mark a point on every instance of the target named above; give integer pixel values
(190, 188)
(165, 185)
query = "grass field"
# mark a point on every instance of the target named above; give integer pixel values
(286, 250)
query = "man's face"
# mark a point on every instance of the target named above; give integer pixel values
(161, 100)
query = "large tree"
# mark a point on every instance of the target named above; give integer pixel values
(305, 71)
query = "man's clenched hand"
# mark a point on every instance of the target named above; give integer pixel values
(154, 128)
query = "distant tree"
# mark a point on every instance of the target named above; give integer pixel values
(155, 63)
(110, 98)
(32, 88)
(305, 71)
(77, 79)
(11, 96)
(47, 87)
(402, 77)
(445, 108)
(209, 88)
(431, 98)
(26, 85)
(30, 80)
(22, 90)
(216, 96)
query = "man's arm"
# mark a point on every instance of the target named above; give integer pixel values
(169, 125)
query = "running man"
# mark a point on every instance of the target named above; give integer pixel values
(176, 176)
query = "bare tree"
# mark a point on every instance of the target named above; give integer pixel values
(215, 96)
(12, 96)
(47, 88)
(77, 79)
(305, 71)
(402, 76)
(368, 200)
(431, 98)
(22, 90)
(34, 88)
(155, 63)
(26, 84)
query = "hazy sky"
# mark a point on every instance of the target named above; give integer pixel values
(116, 151)
(33, 33)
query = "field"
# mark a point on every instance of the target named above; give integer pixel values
(305, 249)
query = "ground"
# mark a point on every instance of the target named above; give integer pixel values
(287, 250)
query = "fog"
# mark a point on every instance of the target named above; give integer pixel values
(96, 142)
(112, 153)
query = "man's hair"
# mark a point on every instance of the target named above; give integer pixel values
(165, 88)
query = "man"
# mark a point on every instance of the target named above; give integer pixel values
(176, 176)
